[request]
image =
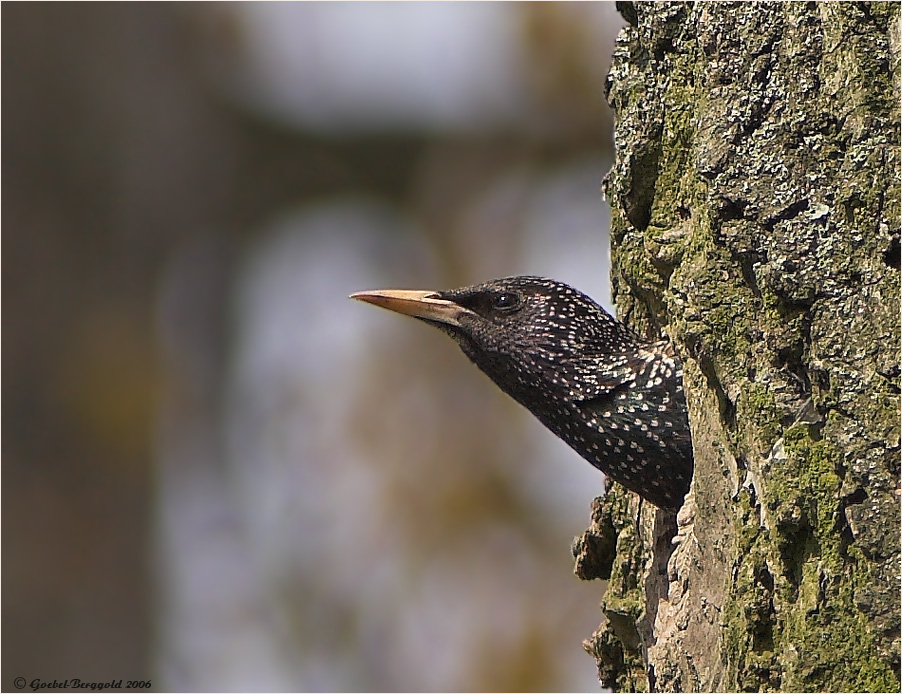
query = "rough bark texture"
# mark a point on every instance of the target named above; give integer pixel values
(755, 211)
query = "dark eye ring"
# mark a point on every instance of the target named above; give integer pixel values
(506, 301)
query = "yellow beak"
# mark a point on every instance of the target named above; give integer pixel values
(419, 304)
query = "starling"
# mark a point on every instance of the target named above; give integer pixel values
(615, 398)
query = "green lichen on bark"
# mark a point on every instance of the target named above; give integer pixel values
(641, 533)
(755, 221)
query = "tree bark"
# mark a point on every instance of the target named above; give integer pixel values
(755, 221)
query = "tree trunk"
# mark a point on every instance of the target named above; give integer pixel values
(755, 210)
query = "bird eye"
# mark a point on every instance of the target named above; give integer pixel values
(506, 302)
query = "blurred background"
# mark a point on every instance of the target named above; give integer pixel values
(218, 472)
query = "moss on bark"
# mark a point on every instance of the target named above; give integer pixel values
(755, 220)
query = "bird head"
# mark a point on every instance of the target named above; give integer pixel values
(524, 332)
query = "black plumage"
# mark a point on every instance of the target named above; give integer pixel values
(614, 398)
